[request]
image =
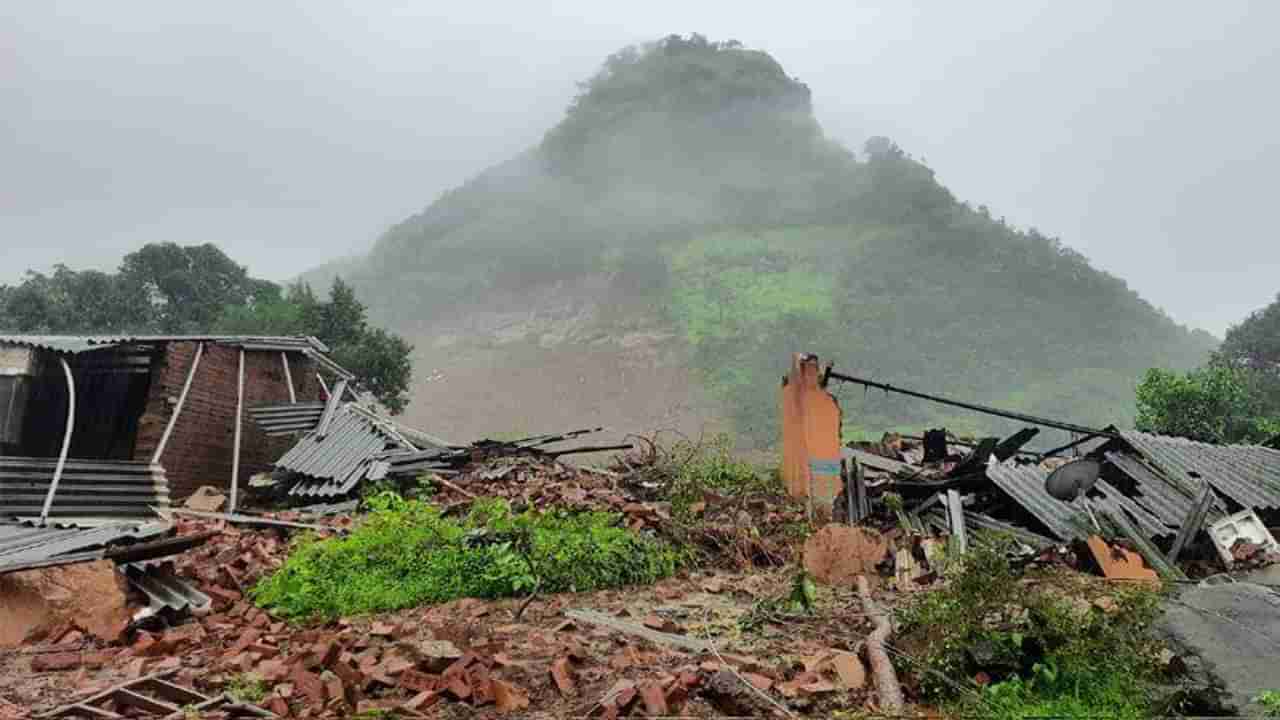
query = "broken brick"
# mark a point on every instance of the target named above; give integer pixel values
(757, 681)
(654, 699)
(421, 701)
(54, 662)
(309, 685)
(508, 697)
(562, 674)
(457, 686)
(417, 681)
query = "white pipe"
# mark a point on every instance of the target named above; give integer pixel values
(288, 377)
(177, 409)
(66, 439)
(235, 457)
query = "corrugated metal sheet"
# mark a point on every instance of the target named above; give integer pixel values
(335, 464)
(1248, 474)
(1154, 492)
(288, 418)
(1067, 521)
(88, 488)
(26, 544)
(164, 589)
(71, 344)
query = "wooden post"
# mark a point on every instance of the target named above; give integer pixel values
(955, 511)
(1192, 523)
(177, 409)
(288, 376)
(235, 457)
(66, 439)
(323, 385)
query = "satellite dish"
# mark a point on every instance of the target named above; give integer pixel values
(1067, 482)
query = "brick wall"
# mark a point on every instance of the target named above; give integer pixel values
(200, 450)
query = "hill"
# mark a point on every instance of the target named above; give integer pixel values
(689, 219)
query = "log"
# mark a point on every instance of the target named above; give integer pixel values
(887, 685)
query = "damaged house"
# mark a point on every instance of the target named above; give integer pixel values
(111, 427)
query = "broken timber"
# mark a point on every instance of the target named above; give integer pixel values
(157, 695)
(593, 617)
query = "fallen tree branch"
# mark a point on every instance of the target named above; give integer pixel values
(887, 686)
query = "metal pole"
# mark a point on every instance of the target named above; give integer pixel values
(66, 439)
(177, 409)
(235, 457)
(288, 377)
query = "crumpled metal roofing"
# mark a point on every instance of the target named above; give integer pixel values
(26, 545)
(1067, 521)
(1154, 492)
(335, 464)
(164, 589)
(1248, 474)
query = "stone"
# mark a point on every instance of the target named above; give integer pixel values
(92, 596)
(437, 655)
(853, 676)
(206, 498)
(836, 554)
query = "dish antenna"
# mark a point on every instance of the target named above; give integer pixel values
(1071, 480)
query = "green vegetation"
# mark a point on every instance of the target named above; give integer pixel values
(690, 470)
(405, 554)
(1045, 655)
(693, 174)
(247, 688)
(1233, 398)
(165, 288)
(1270, 702)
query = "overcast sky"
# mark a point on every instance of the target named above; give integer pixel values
(1141, 133)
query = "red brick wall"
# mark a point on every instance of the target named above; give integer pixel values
(199, 450)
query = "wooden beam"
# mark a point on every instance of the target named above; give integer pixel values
(288, 377)
(177, 410)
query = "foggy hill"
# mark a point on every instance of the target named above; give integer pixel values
(687, 225)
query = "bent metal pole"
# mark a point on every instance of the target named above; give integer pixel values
(66, 439)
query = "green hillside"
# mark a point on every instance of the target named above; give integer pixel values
(693, 174)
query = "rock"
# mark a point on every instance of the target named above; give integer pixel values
(836, 554)
(206, 498)
(436, 655)
(89, 595)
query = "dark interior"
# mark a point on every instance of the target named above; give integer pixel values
(111, 395)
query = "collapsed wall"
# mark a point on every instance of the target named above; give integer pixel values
(198, 452)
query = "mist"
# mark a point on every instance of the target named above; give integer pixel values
(290, 135)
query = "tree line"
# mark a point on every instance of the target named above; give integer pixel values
(166, 288)
(1233, 398)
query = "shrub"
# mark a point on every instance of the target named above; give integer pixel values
(693, 469)
(1048, 655)
(406, 553)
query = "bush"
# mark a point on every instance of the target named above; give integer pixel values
(406, 553)
(693, 469)
(1047, 655)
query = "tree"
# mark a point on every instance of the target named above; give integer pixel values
(1210, 404)
(187, 286)
(1254, 346)
(380, 360)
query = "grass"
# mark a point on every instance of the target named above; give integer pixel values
(406, 554)
(247, 688)
(1045, 654)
